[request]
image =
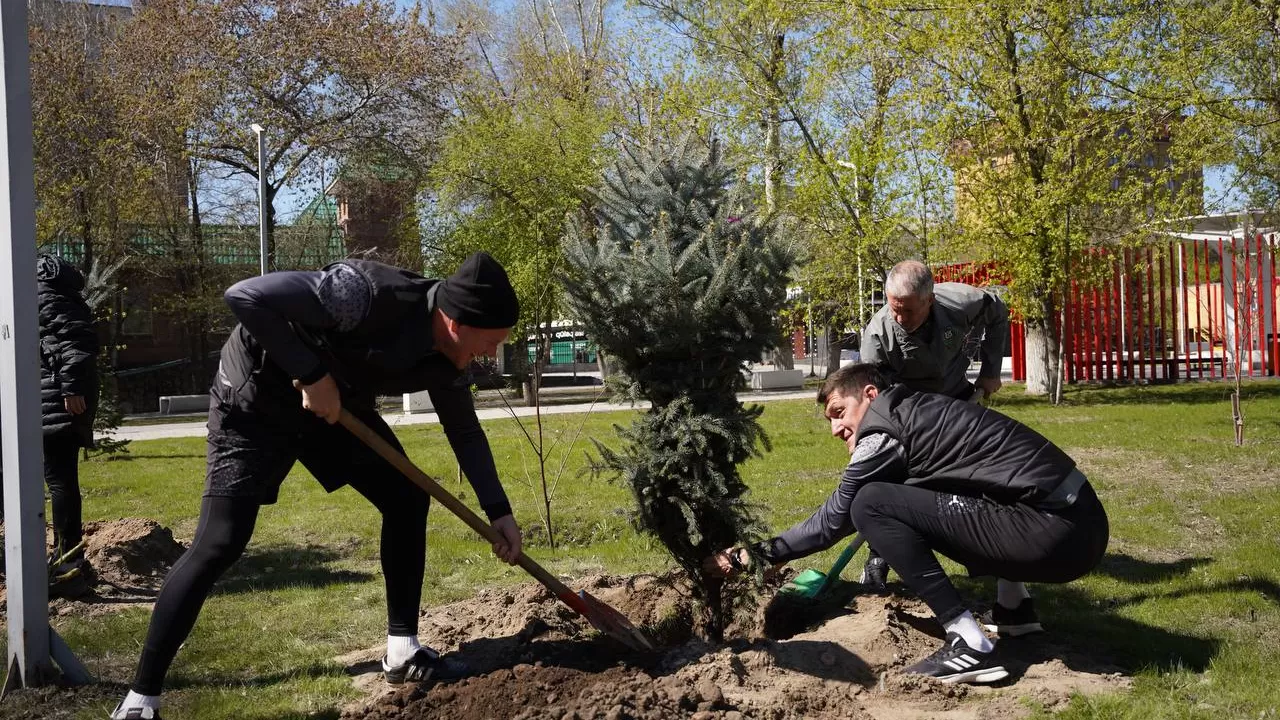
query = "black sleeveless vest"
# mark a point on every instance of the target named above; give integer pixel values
(958, 447)
(390, 352)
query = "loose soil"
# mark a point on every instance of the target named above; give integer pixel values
(129, 559)
(532, 659)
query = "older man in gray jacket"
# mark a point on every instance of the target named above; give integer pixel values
(919, 338)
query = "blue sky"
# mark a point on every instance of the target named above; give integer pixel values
(1219, 195)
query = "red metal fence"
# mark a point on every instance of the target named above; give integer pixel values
(1186, 309)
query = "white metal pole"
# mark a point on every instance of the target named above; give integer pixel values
(262, 199)
(32, 646)
(28, 662)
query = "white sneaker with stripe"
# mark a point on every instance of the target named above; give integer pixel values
(956, 662)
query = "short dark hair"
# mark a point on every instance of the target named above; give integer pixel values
(850, 379)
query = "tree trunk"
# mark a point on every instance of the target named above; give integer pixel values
(533, 381)
(518, 367)
(783, 356)
(833, 350)
(86, 232)
(715, 618)
(541, 358)
(270, 214)
(602, 362)
(773, 132)
(1044, 373)
(198, 322)
(531, 389)
(114, 325)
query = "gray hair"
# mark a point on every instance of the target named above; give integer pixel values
(909, 278)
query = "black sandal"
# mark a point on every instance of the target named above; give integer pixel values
(424, 666)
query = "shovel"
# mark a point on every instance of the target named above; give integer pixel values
(600, 615)
(812, 583)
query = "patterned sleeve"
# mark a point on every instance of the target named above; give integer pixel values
(345, 294)
(876, 458)
(870, 446)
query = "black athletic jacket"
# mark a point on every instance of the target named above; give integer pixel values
(942, 444)
(958, 447)
(367, 324)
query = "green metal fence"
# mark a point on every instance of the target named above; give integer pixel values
(565, 352)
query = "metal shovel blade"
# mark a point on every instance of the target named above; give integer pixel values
(601, 616)
(607, 620)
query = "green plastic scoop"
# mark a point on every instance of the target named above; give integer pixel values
(812, 583)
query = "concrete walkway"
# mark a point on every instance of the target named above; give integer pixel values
(396, 419)
(196, 428)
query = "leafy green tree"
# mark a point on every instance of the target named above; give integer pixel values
(1218, 58)
(679, 280)
(526, 145)
(327, 79)
(1043, 111)
(822, 103)
(91, 182)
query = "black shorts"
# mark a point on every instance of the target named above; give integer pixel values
(250, 453)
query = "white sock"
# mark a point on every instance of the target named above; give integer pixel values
(1011, 594)
(134, 700)
(967, 628)
(400, 648)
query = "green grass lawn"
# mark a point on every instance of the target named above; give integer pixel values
(1186, 599)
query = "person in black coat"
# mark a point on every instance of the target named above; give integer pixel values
(308, 344)
(934, 475)
(68, 392)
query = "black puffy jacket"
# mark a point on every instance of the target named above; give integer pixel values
(68, 348)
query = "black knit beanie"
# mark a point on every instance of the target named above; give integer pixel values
(479, 294)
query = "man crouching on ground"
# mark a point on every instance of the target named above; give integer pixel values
(930, 473)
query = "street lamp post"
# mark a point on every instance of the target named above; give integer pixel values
(262, 198)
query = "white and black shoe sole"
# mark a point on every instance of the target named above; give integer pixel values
(407, 674)
(1015, 630)
(981, 675)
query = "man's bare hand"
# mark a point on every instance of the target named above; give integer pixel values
(74, 404)
(509, 549)
(323, 399)
(989, 385)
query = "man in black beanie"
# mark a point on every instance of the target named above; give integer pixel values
(346, 334)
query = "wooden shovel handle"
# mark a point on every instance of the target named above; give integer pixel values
(444, 497)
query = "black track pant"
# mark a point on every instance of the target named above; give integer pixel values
(62, 475)
(907, 524)
(225, 525)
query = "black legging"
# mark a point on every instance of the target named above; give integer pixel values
(907, 524)
(225, 525)
(964, 392)
(62, 475)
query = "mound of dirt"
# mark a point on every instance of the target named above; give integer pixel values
(129, 559)
(133, 552)
(533, 659)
